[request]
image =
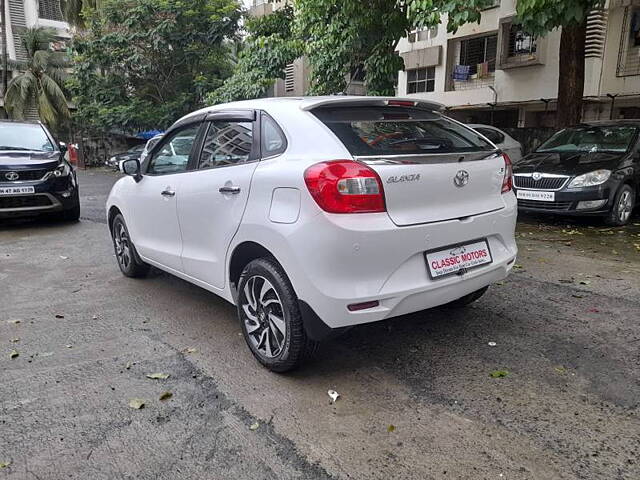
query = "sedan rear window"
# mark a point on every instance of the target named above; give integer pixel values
(373, 131)
(590, 138)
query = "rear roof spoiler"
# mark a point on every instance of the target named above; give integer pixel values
(309, 104)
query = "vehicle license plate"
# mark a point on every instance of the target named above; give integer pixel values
(458, 258)
(16, 190)
(536, 195)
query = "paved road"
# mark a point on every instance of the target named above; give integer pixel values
(417, 399)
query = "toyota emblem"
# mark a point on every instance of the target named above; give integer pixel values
(461, 178)
(537, 176)
(11, 176)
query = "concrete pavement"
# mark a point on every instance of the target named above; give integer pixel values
(417, 400)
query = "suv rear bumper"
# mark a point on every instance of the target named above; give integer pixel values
(345, 261)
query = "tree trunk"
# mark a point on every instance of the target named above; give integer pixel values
(571, 75)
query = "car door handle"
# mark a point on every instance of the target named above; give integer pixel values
(231, 190)
(168, 193)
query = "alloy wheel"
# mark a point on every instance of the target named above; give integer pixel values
(263, 316)
(625, 206)
(123, 246)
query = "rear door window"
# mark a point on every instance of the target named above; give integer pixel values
(374, 131)
(493, 135)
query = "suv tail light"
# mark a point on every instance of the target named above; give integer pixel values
(507, 183)
(345, 186)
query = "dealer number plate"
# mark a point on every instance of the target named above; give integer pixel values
(458, 259)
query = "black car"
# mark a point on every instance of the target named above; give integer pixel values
(35, 178)
(590, 169)
(132, 154)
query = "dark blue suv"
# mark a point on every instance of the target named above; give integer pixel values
(35, 178)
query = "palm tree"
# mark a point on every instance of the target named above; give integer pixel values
(41, 81)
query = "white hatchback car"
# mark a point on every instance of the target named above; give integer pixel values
(316, 214)
(500, 139)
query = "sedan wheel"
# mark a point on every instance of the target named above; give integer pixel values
(623, 205)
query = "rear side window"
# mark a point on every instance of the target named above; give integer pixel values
(493, 135)
(399, 131)
(273, 141)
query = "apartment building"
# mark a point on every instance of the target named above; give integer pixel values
(494, 72)
(297, 74)
(23, 14)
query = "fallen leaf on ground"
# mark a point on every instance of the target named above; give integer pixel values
(560, 369)
(166, 396)
(14, 354)
(594, 310)
(158, 376)
(585, 282)
(498, 374)
(492, 344)
(15, 322)
(136, 403)
(15, 340)
(391, 428)
(95, 317)
(4, 464)
(69, 346)
(577, 295)
(63, 257)
(128, 365)
(59, 315)
(254, 426)
(518, 266)
(190, 350)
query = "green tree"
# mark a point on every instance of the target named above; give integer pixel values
(542, 16)
(75, 11)
(143, 64)
(269, 46)
(40, 83)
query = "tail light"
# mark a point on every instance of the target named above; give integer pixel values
(507, 182)
(345, 186)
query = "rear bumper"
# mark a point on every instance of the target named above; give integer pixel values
(346, 261)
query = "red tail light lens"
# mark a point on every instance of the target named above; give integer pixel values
(507, 183)
(345, 186)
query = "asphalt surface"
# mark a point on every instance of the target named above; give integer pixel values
(417, 399)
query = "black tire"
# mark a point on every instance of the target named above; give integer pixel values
(623, 205)
(289, 348)
(128, 259)
(468, 299)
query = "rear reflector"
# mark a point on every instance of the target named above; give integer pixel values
(345, 186)
(355, 307)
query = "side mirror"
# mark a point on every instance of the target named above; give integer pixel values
(63, 147)
(131, 168)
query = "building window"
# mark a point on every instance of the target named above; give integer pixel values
(629, 55)
(520, 43)
(479, 54)
(421, 80)
(423, 34)
(50, 10)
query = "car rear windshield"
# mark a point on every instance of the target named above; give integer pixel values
(373, 131)
(18, 137)
(589, 138)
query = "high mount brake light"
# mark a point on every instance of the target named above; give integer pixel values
(507, 182)
(345, 186)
